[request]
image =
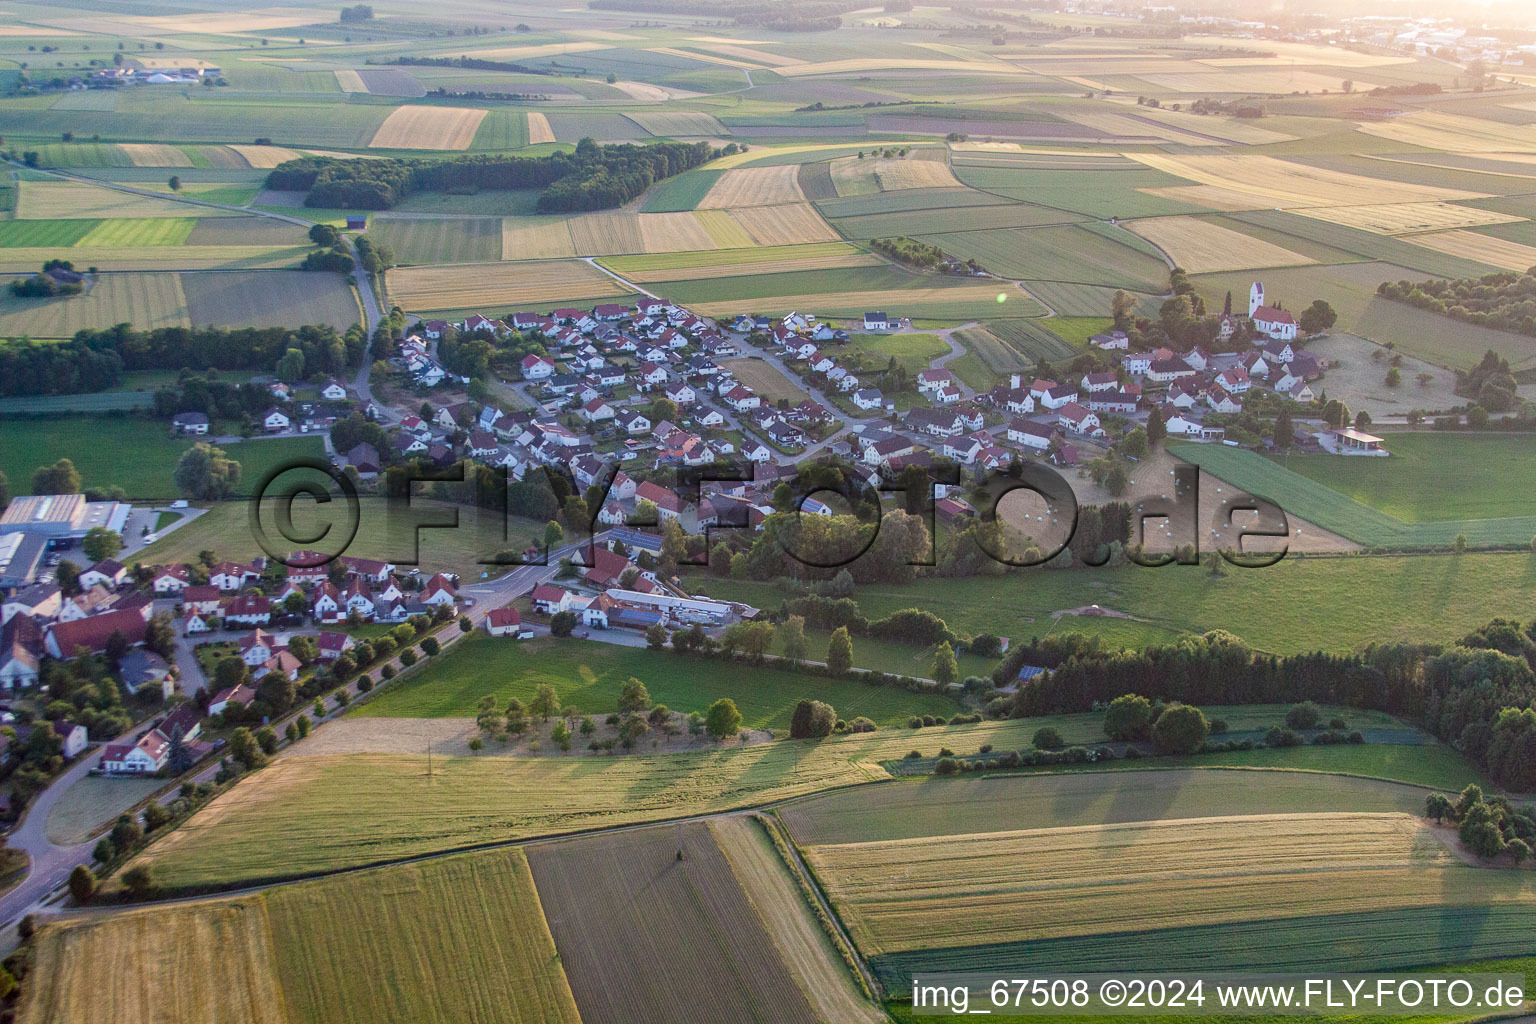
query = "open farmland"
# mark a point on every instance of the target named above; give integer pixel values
(1056, 253)
(737, 262)
(1289, 183)
(1454, 133)
(411, 127)
(1001, 887)
(1471, 245)
(915, 172)
(440, 239)
(499, 285)
(754, 186)
(145, 300)
(591, 675)
(792, 224)
(1407, 218)
(802, 944)
(1200, 247)
(850, 292)
(705, 944)
(269, 299)
(461, 939)
(70, 200)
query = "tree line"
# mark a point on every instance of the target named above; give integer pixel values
(593, 177)
(1475, 694)
(1502, 302)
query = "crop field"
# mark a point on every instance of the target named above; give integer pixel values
(850, 292)
(1230, 129)
(932, 807)
(536, 238)
(1289, 183)
(98, 446)
(440, 239)
(597, 233)
(915, 172)
(498, 285)
(765, 380)
(726, 231)
(42, 234)
(71, 200)
(590, 675)
(754, 186)
(934, 216)
(1406, 218)
(413, 127)
(1336, 510)
(1096, 193)
(265, 299)
(737, 262)
(461, 939)
(243, 231)
(705, 944)
(1454, 133)
(263, 157)
(1032, 341)
(672, 232)
(678, 124)
(1296, 231)
(1056, 253)
(997, 355)
(802, 945)
(681, 192)
(1470, 245)
(539, 131)
(95, 966)
(1200, 247)
(816, 182)
(152, 231)
(791, 224)
(1003, 887)
(1086, 300)
(144, 300)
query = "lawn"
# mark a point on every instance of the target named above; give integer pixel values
(589, 675)
(913, 352)
(225, 528)
(1434, 477)
(134, 454)
(1286, 608)
(1304, 485)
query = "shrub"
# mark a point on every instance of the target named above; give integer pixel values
(913, 755)
(1303, 716)
(155, 815)
(986, 748)
(1048, 738)
(1128, 717)
(1337, 724)
(1279, 736)
(914, 722)
(364, 683)
(1218, 726)
(430, 646)
(388, 672)
(408, 657)
(946, 766)
(1181, 729)
(861, 724)
(946, 752)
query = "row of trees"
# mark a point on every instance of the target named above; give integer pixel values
(591, 178)
(323, 348)
(1476, 694)
(1488, 826)
(1503, 301)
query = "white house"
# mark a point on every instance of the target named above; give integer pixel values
(145, 757)
(877, 321)
(274, 420)
(1030, 434)
(1058, 395)
(537, 367)
(868, 398)
(333, 391)
(506, 622)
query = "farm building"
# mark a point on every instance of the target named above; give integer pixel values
(1350, 441)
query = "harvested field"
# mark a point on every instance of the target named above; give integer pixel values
(837, 67)
(792, 224)
(1132, 129)
(1254, 81)
(1214, 197)
(263, 157)
(1454, 133)
(1471, 245)
(703, 57)
(754, 186)
(146, 300)
(223, 231)
(350, 80)
(1044, 883)
(497, 284)
(462, 939)
(1231, 129)
(854, 176)
(727, 232)
(536, 238)
(268, 299)
(678, 124)
(894, 175)
(1294, 183)
(736, 48)
(672, 232)
(1200, 246)
(960, 301)
(520, 53)
(737, 263)
(67, 200)
(219, 959)
(596, 234)
(130, 258)
(154, 154)
(1403, 218)
(417, 127)
(539, 130)
(704, 944)
(765, 380)
(801, 943)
